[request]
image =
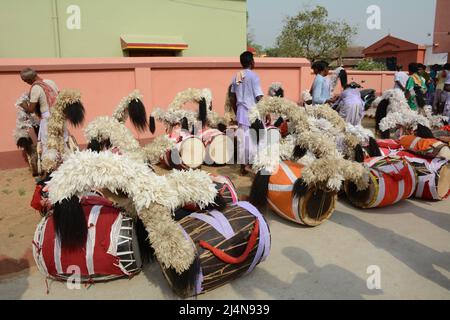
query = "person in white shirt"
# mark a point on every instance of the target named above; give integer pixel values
(400, 79)
(42, 95)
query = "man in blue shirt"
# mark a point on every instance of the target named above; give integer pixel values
(321, 86)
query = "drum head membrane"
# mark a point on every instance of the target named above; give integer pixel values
(192, 152)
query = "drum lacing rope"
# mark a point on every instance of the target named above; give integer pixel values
(322, 205)
(46, 285)
(223, 256)
(38, 248)
(89, 283)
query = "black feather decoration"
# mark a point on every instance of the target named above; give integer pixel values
(70, 223)
(279, 122)
(257, 126)
(300, 188)
(222, 127)
(184, 124)
(424, 132)
(381, 112)
(94, 145)
(299, 152)
(359, 154)
(202, 111)
(279, 93)
(373, 148)
(138, 115)
(26, 144)
(152, 124)
(146, 250)
(74, 112)
(259, 189)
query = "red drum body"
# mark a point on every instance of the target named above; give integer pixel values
(111, 250)
(389, 144)
(392, 179)
(433, 176)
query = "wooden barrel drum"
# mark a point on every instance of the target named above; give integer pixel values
(314, 208)
(228, 245)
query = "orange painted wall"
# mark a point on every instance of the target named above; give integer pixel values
(103, 82)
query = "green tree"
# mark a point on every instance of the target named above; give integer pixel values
(369, 65)
(312, 35)
(252, 43)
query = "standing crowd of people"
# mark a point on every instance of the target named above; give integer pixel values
(424, 87)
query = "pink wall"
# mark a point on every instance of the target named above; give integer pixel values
(103, 82)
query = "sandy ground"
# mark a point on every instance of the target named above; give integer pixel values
(409, 243)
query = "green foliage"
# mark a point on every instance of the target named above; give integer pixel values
(251, 43)
(369, 65)
(312, 35)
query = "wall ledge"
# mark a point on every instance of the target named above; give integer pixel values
(59, 64)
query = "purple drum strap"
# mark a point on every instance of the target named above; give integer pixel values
(227, 229)
(218, 221)
(264, 236)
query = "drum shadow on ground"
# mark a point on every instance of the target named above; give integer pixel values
(271, 216)
(14, 276)
(316, 283)
(152, 271)
(413, 254)
(439, 219)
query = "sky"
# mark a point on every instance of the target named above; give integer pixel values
(411, 20)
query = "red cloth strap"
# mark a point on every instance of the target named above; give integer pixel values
(223, 256)
(36, 200)
(50, 93)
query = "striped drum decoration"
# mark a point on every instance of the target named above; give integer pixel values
(391, 179)
(315, 207)
(111, 250)
(228, 245)
(433, 176)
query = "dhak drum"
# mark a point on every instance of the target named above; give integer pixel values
(187, 154)
(391, 179)
(314, 208)
(219, 147)
(433, 176)
(228, 245)
(111, 250)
